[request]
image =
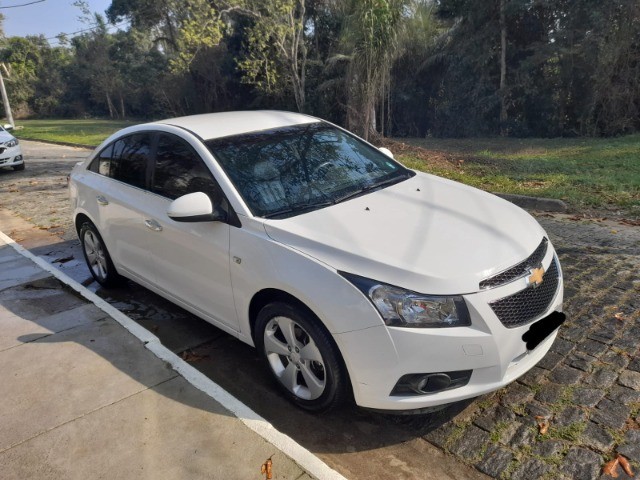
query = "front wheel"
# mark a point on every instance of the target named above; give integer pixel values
(302, 357)
(19, 167)
(97, 257)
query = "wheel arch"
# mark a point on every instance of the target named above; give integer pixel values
(79, 220)
(270, 295)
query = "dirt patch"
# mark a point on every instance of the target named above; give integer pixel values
(431, 157)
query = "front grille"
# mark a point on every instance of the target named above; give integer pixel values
(517, 271)
(530, 303)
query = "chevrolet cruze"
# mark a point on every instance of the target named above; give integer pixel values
(351, 274)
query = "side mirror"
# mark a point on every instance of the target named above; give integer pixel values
(8, 127)
(194, 207)
(386, 151)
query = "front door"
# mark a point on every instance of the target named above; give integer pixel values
(191, 260)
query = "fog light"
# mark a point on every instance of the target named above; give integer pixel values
(18, 158)
(430, 383)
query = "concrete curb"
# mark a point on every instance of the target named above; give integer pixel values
(535, 203)
(300, 455)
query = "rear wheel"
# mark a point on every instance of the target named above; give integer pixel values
(97, 257)
(301, 356)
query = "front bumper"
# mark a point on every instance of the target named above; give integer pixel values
(377, 357)
(11, 157)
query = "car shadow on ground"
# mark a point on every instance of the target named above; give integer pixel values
(224, 359)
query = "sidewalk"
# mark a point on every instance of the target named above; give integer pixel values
(84, 398)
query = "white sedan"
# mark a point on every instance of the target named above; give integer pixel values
(10, 152)
(351, 274)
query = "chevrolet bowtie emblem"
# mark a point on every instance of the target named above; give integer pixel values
(535, 278)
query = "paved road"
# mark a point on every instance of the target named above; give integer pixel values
(588, 386)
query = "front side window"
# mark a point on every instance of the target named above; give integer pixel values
(286, 171)
(180, 170)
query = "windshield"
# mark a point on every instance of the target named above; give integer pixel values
(287, 171)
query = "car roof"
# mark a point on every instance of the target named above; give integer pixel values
(223, 124)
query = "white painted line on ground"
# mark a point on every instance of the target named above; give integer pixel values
(303, 457)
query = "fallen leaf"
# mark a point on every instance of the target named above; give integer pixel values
(631, 424)
(543, 424)
(611, 468)
(266, 468)
(620, 316)
(626, 466)
(189, 356)
(614, 231)
(63, 259)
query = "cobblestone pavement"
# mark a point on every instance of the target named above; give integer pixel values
(587, 387)
(39, 194)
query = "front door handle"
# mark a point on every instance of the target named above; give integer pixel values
(101, 200)
(153, 225)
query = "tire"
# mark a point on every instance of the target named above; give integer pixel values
(97, 257)
(302, 357)
(17, 168)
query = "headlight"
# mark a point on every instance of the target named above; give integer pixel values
(11, 143)
(404, 308)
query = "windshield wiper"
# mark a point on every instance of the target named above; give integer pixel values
(299, 208)
(370, 187)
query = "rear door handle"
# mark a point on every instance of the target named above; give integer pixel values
(101, 200)
(153, 225)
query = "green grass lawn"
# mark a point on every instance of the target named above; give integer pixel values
(584, 172)
(81, 132)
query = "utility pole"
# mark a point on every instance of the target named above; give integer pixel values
(5, 98)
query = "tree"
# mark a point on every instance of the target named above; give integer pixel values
(23, 58)
(370, 38)
(615, 106)
(503, 67)
(277, 48)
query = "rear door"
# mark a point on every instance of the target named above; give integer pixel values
(119, 191)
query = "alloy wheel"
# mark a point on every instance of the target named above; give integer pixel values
(294, 358)
(95, 253)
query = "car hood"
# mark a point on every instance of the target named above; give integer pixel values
(426, 234)
(5, 136)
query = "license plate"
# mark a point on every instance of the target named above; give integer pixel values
(542, 329)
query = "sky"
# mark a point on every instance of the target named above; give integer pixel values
(49, 18)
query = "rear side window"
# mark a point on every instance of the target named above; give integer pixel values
(125, 160)
(130, 158)
(180, 170)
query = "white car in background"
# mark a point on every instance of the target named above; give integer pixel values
(350, 273)
(10, 152)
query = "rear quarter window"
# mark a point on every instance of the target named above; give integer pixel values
(102, 163)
